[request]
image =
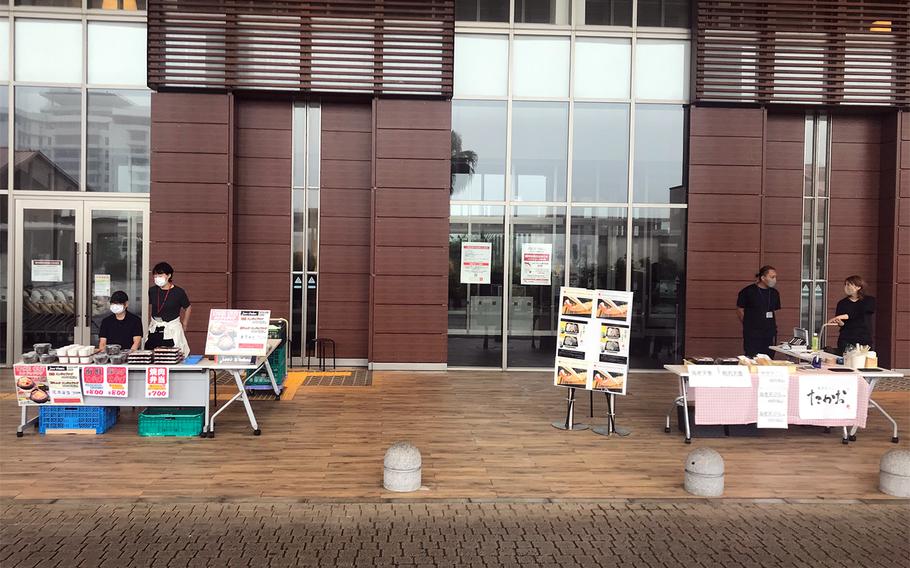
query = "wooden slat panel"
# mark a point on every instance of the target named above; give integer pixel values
(345, 174)
(345, 288)
(193, 138)
(275, 257)
(349, 343)
(264, 115)
(418, 261)
(344, 314)
(262, 287)
(724, 209)
(414, 115)
(784, 155)
(413, 232)
(425, 144)
(346, 145)
(202, 286)
(727, 150)
(345, 202)
(195, 108)
(345, 259)
(412, 203)
(279, 308)
(409, 348)
(201, 257)
(344, 231)
(723, 237)
(347, 117)
(417, 174)
(420, 289)
(715, 122)
(261, 143)
(731, 179)
(783, 127)
(784, 183)
(782, 211)
(853, 213)
(712, 294)
(852, 184)
(189, 168)
(783, 238)
(737, 266)
(169, 197)
(855, 157)
(254, 200)
(190, 227)
(265, 229)
(415, 319)
(264, 172)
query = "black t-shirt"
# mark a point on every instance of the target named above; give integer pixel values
(121, 332)
(757, 302)
(857, 328)
(166, 304)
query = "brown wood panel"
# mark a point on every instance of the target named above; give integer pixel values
(344, 314)
(783, 238)
(412, 203)
(204, 287)
(341, 145)
(903, 240)
(905, 125)
(787, 265)
(345, 174)
(853, 240)
(713, 347)
(414, 114)
(193, 108)
(739, 151)
(345, 259)
(349, 343)
(721, 322)
(734, 179)
(905, 154)
(344, 231)
(712, 294)
(905, 181)
(264, 114)
(901, 357)
(901, 298)
(738, 266)
(786, 127)
(783, 183)
(853, 213)
(841, 265)
(902, 326)
(903, 268)
(196, 340)
(724, 209)
(264, 172)
(903, 213)
(261, 143)
(782, 211)
(273, 257)
(190, 227)
(201, 257)
(413, 232)
(853, 184)
(424, 144)
(723, 237)
(256, 200)
(418, 174)
(855, 156)
(191, 137)
(180, 197)
(415, 319)
(189, 168)
(199, 316)
(345, 288)
(418, 289)
(716, 121)
(263, 229)
(350, 117)
(409, 348)
(262, 286)
(345, 203)
(856, 128)
(418, 261)
(278, 308)
(784, 155)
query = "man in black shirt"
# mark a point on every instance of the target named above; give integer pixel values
(121, 327)
(756, 305)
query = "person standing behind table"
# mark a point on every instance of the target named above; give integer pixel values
(169, 311)
(122, 327)
(853, 313)
(755, 306)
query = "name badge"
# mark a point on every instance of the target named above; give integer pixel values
(769, 315)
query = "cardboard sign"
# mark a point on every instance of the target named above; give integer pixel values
(773, 396)
(64, 384)
(31, 384)
(827, 397)
(536, 264)
(47, 271)
(238, 332)
(157, 382)
(476, 259)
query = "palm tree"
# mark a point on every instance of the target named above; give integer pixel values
(463, 162)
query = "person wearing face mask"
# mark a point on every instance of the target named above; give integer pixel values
(169, 311)
(122, 327)
(853, 313)
(756, 305)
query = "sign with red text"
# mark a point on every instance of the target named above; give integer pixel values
(238, 332)
(116, 381)
(64, 384)
(31, 384)
(476, 259)
(108, 381)
(536, 264)
(157, 382)
(93, 380)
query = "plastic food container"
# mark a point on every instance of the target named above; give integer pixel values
(112, 349)
(42, 348)
(100, 358)
(118, 358)
(73, 350)
(63, 359)
(30, 357)
(86, 351)
(47, 358)
(85, 360)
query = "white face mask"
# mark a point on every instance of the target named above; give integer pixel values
(771, 282)
(117, 308)
(160, 281)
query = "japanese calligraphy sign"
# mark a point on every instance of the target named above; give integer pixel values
(156, 382)
(827, 397)
(110, 381)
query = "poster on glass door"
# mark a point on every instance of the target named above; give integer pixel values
(475, 262)
(593, 339)
(536, 264)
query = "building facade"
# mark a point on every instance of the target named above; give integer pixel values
(328, 161)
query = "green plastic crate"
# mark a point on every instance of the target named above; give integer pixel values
(277, 360)
(165, 421)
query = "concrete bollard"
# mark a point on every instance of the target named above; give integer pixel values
(401, 471)
(704, 473)
(894, 473)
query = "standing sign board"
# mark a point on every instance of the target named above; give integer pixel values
(592, 346)
(238, 333)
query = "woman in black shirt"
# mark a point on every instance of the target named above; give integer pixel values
(853, 314)
(169, 311)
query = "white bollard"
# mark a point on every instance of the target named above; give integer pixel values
(704, 473)
(894, 473)
(402, 468)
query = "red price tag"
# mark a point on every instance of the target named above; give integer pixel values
(93, 375)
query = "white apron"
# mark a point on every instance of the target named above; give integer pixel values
(173, 330)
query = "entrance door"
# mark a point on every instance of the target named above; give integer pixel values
(72, 255)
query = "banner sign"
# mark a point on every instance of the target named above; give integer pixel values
(238, 332)
(773, 396)
(156, 382)
(476, 260)
(827, 397)
(64, 384)
(536, 264)
(31, 384)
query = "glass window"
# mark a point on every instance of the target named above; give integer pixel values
(536, 232)
(118, 126)
(4, 139)
(116, 53)
(602, 68)
(53, 3)
(58, 61)
(659, 143)
(481, 65)
(658, 279)
(482, 10)
(4, 46)
(605, 12)
(298, 245)
(541, 67)
(539, 151)
(298, 131)
(599, 248)
(542, 12)
(600, 153)
(664, 13)
(661, 70)
(47, 138)
(478, 150)
(4, 277)
(313, 149)
(312, 230)
(475, 309)
(118, 4)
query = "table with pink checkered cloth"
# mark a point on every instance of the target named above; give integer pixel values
(724, 405)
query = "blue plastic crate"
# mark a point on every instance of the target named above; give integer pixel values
(97, 418)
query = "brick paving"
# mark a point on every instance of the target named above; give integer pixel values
(647, 534)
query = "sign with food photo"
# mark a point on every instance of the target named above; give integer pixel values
(571, 373)
(31, 384)
(238, 332)
(614, 306)
(609, 378)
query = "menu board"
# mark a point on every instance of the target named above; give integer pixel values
(593, 339)
(65, 384)
(31, 384)
(238, 332)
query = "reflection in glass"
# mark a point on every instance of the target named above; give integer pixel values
(47, 138)
(804, 305)
(117, 242)
(607, 12)
(807, 239)
(598, 248)
(118, 4)
(820, 306)
(600, 153)
(53, 3)
(312, 229)
(116, 53)
(314, 126)
(475, 310)
(602, 68)
(664, 13)
(57, 61)
(298, 135)
(118, 130)
(4, 42)
(482, 10)
(298, 219)
(542, 12)
(4, 137)
(540, 66)
(658, 279)
(49, 304)
(4, 277)
(481, 65)
(533, 308)
(478, 150)
(661, 70)
(808, 153)
(821, 157)
(539, 151)
(821, 238)
(659, 143)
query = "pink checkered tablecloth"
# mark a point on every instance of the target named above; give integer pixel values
(740, 405)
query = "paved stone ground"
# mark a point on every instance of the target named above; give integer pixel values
(669, 534)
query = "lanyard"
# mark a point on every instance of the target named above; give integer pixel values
(761, 293)
(160, 303)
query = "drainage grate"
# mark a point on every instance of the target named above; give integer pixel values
(359, 378)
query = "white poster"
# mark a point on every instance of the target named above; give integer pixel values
(536, 264)
(157, 382)
(475, 262)
(715, 376)
(47, 271)
(827, 397)
(773, 396)
(64, 384)
(105, 380)
(103, 285)
(610, 378)
(238, 332)
(614, 306)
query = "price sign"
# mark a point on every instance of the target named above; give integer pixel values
(93, 381)
(115, 381)
(156, 382)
